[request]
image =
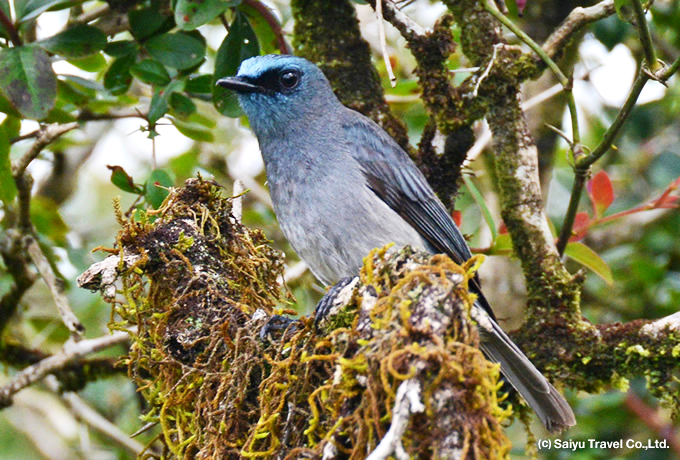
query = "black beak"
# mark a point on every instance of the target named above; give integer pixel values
(239, 85)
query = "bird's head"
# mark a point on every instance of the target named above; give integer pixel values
(279, 92)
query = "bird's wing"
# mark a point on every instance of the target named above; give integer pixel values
(396, 180)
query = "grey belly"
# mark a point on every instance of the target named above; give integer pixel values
(334, 238)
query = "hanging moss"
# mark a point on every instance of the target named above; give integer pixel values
(202, 288)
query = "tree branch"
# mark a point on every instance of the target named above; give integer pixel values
(69, 353)
(55, 285)
(577, 19)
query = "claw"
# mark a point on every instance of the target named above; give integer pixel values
(277, 324)
(333, 298)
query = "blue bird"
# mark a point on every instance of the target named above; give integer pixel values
(342, 186)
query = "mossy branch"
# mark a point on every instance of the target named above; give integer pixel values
(227, 378)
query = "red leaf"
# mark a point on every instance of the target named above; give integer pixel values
(521, 4)
(502, 229)
(666, 200)
(601, 193)
(457, 218)
(580, 228)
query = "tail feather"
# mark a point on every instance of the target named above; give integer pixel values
(550, 407)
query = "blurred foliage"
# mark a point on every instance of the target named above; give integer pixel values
(149, 66)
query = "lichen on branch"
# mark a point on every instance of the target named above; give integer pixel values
(227, 378)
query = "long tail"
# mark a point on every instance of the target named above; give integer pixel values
(550, 407)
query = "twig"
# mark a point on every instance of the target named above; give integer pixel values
(582, 166)
(101, 276)
(273, 23)
(44, 137)
(650, 417)
(83, 411)
(55, 285)
(293, 272)
(485, 137)
(383, 43)
(567, 83)
(645, 38)
(70, 352)
(577, 19)
(90, 116)
(11, 30)
(237, 202)
(485, 74)
(407, 26)
(91, 15)
(406, 402)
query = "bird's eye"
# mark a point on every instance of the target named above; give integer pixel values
(289, 79)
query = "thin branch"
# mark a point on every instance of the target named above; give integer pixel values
(237, 202)
(650, 417)
(273, 23)
(44, 137)
(567, 83)
(91, 15)
(577, 19)
(55, 285)
(407, 26)
(10, 28)
(86, 413)
(582, 166)
(69, 353)
(406, 403)
(645, 38)
(383, 43)
(90, 116)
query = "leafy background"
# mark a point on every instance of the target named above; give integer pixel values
(140, 88)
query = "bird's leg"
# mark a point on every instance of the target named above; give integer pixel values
(278, 324)
(333, 298)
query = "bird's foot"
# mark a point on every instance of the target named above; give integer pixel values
(277, 326)
(337, 296)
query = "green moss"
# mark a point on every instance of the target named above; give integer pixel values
(219, 391)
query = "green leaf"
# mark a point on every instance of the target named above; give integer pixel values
(144, 23)
(178, 51)
(121, 179)
(479, 199)
(121, 48)
(623, 10)
(263, 30)
(89, 87)
(30, 9)
(502, 245)
(193, 131)
(118, 78)
(8, 130)
(27, 80)
(203, 120)
(94, 63)
(152, 72)
(6, 107)
(200, 85)
(155, 189)
(159, 101)
(182, 105)
(75, 42)
(189, 14)
(589, 258)
(240, 44)
(47, 220)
